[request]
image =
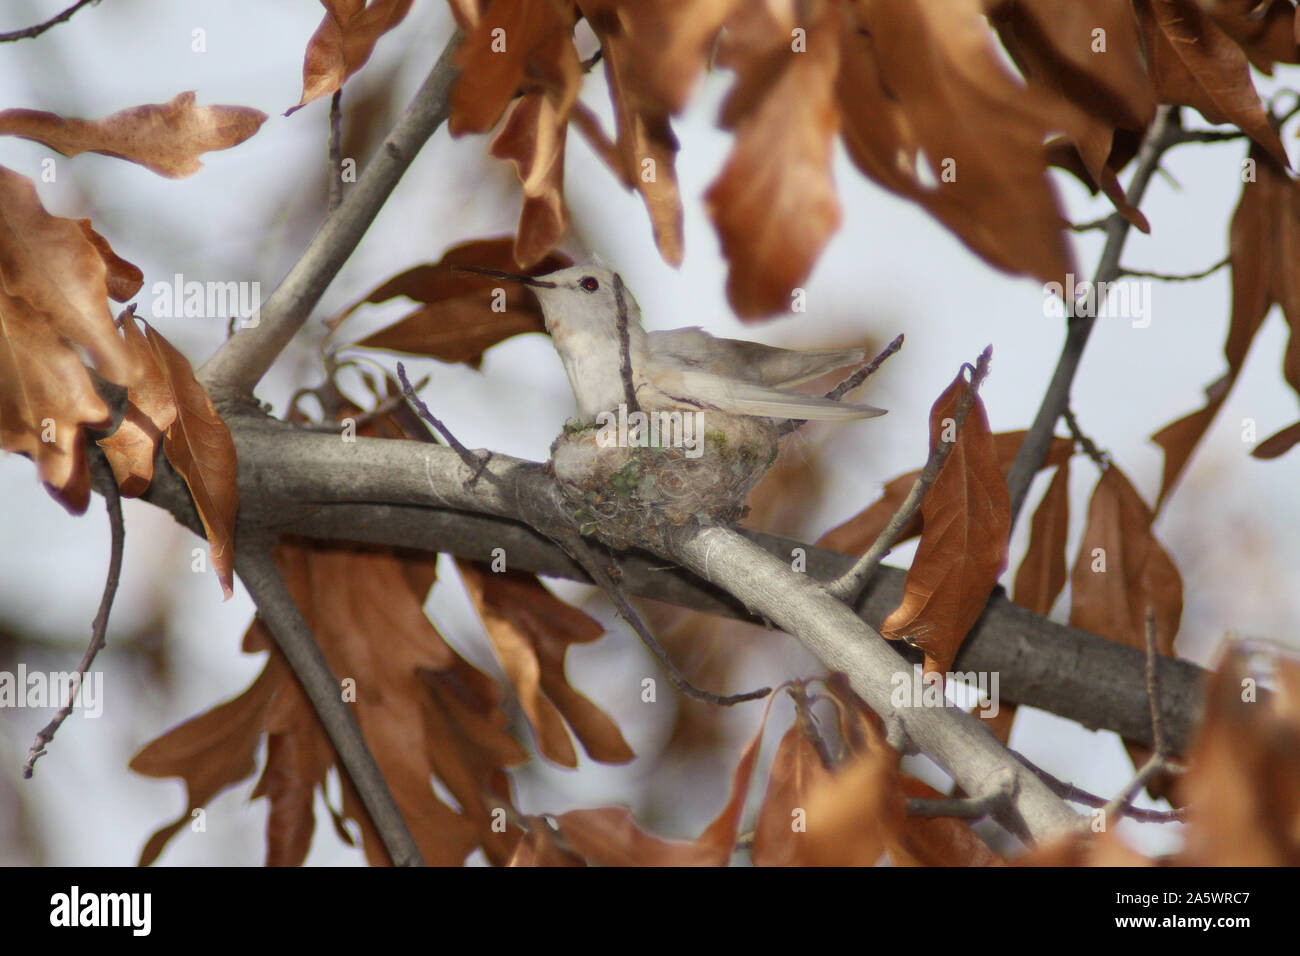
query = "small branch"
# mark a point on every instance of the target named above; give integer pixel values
(1033, 450)
(1092, 225)
(98, 629)
(850, 383)
(1000, 790)
(1074, 794)
(383, 408)
(848, 588)
(336, 152)
(573, 543)
(1160, 761)
(625, 347)
(28, 32)
(1176, 277)
(1099, 457)
(293, 637)
(803, 702)
(475, 464)
(240, 363)
(1153, 685)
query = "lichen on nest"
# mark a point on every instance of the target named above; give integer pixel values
(630, 487)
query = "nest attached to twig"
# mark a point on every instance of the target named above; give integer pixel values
(632, 493)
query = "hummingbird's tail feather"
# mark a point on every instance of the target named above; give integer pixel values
(747, 361)
(747, 398)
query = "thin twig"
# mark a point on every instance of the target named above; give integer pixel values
(28, 32)
(276, 608)
(581, 552)
(475, 464)
(625, 347)
(849, 586)
(1177, 277)
(1033, 450)
(383, 408)
(1075, 794)
(803, 702)
(241, 362)
(850, 383)
(1160, 760)
(336, 152)
(1093, 224)
(98, 629)
(1099, 457)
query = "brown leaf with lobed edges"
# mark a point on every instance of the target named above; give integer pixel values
(1194, 63)
(963, 549)
(344, 41)
(166, 138)
(1243, 782)
(859, 533)
(457, 322)
(922, 81)
(45, 393)
(531, 630)
(199, 446)
(423, 710)
(516, 46)
(210, 752)
(609, 836)
(1263, 243)
(55, 277)
(774, 203)
(533, 140)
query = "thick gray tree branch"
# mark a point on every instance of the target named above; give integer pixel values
(295, 482)
(242, 361)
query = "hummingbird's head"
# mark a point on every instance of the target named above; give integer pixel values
(578, 298)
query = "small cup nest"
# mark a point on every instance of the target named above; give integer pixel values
(631, 494)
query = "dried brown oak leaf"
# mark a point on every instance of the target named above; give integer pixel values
(423, 710)
(167, 138)
(532, 630)
(963, 548)
(54, 285)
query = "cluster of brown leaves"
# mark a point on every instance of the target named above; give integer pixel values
(912, 88)
(828, 802)
(424, 710)
(1242, 784)
(56, 277)
(1120, 571)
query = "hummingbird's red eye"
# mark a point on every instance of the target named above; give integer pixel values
(588, 284)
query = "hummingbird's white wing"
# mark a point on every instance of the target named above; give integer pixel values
(747, 361)
(749, 398)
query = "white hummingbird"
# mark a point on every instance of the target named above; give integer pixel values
(588, 311)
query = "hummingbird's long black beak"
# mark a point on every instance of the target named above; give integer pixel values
(511, 276)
